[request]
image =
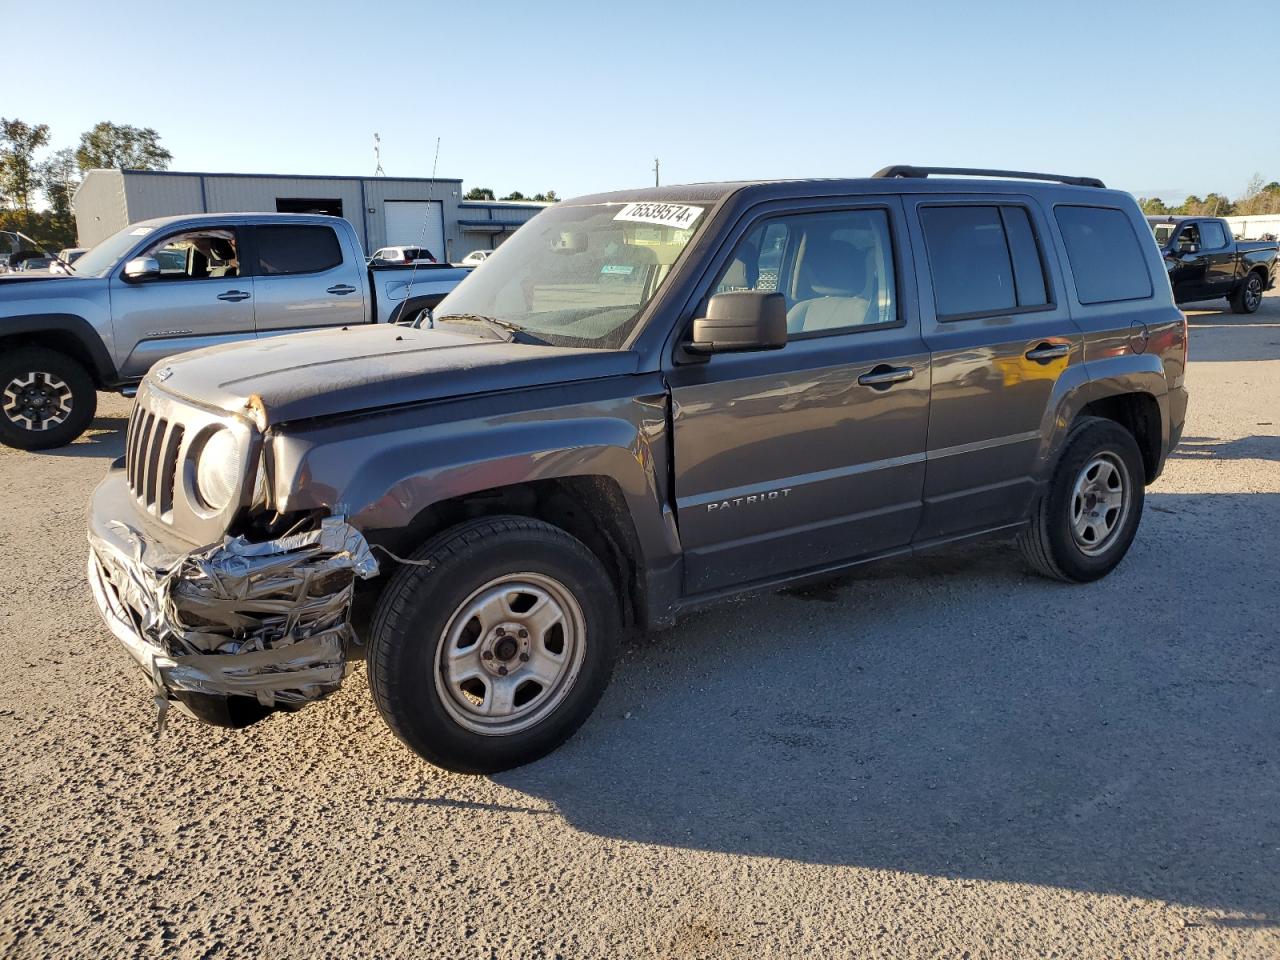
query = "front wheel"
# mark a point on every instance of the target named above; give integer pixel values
(1085, 521)
(47, 399)
(494, 646)
(1248, 298)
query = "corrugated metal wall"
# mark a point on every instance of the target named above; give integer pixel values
(99, 206)
(378, 190)
(148, 196)
(111, 199)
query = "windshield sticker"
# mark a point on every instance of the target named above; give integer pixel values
(677, 215)
(617, 270)
(140, 231)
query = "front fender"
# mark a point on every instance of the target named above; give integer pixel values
(383, 471)
(1083, 383)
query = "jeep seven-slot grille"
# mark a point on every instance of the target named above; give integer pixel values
(151, 460)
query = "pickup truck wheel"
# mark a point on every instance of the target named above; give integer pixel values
(47, 399)
(1248, 298)
(1083, 524)
(494, 645)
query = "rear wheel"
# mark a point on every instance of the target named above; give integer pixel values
(493, 647)
(1084, 523)
(1248, 297)
(47, 399)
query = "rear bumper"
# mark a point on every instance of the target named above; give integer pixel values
(266, 623)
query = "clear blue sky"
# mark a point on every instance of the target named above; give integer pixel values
(579, 97)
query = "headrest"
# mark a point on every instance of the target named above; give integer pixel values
(834, 268)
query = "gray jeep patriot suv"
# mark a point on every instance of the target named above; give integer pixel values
(642, 402)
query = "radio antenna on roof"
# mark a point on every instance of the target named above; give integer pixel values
(377, 156)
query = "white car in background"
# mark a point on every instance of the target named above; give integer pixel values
(390, 256)
(474, 258)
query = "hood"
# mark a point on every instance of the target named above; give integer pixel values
(330, 372)
(24, 277)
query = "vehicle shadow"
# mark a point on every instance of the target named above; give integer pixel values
(1217, 334)
(962, 718)
(104, 438)
(1256, 447)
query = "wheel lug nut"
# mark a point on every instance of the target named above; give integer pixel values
(502, 671)
(524, 634)
(487, 655)
(502, 631)
(524, 658)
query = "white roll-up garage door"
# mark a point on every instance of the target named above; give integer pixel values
(405, 225)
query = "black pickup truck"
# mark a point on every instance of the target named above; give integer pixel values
(1205, 261)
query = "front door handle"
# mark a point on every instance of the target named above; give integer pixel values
(341, 289)
(234, 295)
(1048, 351)
(884, 376)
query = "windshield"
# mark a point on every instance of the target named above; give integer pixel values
(1163, 232)
(578, 276)
(99, 260)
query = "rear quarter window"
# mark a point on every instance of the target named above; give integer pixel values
(1105, 254)
(284, 250)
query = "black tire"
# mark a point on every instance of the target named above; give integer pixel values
(1049, 541)
(63, 395)
(424, 599)
(1248, 296)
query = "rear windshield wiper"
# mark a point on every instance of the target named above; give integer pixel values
(505, 328)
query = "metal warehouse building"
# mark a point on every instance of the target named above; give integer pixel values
(384, 210)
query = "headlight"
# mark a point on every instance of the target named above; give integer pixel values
(218, 471)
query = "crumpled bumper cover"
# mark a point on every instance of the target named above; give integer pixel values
(268, 620)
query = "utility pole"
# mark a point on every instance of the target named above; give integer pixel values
(655, 172)
(377, 156)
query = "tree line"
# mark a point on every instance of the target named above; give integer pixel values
(29, 171)
(1259, 197)
(484, 193)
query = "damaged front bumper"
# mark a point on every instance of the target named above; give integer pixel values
(233, 630)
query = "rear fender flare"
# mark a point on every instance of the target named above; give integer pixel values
(1082, 384)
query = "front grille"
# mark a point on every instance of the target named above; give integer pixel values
(152, 448)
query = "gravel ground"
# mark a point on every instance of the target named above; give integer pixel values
(941, 758)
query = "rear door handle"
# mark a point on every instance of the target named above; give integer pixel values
(1048, 351)
(341, 289)
(884, 376)
(234, 295)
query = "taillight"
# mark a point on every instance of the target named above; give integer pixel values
(1186, 341)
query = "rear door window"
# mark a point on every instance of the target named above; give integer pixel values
(1105, 255)
(1214, 237)
(285, 250)
(983, 260)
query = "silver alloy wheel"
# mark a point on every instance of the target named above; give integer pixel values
(1253, 292)
(510, 654)
(36, 400)
(1099, 503)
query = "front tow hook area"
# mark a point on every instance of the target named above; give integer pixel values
(234, 631)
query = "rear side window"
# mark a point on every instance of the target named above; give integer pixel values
(983, 260)
(1106, 258)
(284, 250)
(1215, 238)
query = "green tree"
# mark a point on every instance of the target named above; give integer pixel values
(1216, 205)
(514, 195)
(479, 193)
(1153, 206)
(59, 176)
(112, 146)
(19, 179)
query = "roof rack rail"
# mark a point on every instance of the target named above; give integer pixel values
(904, 170)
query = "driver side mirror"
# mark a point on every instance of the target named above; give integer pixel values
(142, 268)
(741, 321)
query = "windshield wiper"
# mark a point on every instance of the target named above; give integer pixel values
(509, 330)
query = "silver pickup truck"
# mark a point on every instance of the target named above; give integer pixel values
(160, 287)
